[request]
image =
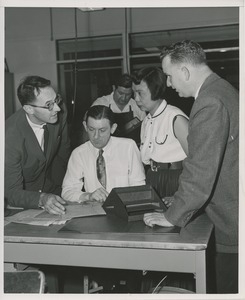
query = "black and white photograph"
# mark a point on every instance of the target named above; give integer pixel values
(122, 138)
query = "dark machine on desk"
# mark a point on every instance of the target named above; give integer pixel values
(131, 203)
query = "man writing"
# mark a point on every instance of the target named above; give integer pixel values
(209, 179)
(102, 163)
(36, 157)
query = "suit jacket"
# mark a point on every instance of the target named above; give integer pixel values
(27, 170)
(210, 172)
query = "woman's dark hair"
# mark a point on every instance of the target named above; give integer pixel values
(155, 80)
(99, 112)
(28, 86)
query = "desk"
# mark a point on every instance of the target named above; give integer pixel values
(184, 252)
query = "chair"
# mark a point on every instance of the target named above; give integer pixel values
(24, 282)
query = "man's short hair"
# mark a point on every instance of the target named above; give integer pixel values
(28, 86)
(155, 80)
(125, 81)
(184, 51)
(99, 112)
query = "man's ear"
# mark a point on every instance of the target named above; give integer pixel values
(113, 128)
(28, 109)
(85, 126)
(186, 73)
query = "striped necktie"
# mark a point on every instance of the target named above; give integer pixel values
(101, 169)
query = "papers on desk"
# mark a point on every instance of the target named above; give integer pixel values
(43, 218)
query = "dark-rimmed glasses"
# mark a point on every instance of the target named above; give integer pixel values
(49, 105)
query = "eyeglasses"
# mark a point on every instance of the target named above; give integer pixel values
(49, 105)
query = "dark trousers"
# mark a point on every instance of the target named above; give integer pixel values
(165, 182)
(226, 273)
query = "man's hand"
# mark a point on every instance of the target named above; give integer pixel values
(155, 218)
(98, 195)
(52, 204)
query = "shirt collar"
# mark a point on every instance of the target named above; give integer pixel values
(33, 125)
(198, 90)
(105, 149)
(107, 146)
(159, 110)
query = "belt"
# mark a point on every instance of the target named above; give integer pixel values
(155, 166)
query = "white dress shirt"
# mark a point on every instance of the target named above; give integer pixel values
(38, 131)
(123, 168)
(109, 102)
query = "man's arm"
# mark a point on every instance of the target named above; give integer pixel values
(73, 181)
(209, 130)
(14, 190)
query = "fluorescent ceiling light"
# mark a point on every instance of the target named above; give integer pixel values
(90, 8)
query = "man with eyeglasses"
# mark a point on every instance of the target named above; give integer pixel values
(35, 162)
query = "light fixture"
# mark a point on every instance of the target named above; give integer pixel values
(85, 9)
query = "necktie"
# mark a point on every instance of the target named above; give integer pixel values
(46, 135)
(101, 170)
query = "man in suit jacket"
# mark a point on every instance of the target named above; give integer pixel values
(209, 180)
(33, 178)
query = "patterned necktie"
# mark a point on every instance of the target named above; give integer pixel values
(101, 170)
(45, 135)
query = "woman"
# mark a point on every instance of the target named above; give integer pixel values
(163, 132)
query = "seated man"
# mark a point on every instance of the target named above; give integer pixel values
(35, 163)
(92, 173)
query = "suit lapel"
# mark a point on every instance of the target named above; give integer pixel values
(53, 136)
(31, 139)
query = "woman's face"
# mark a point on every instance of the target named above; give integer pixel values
(142, 96)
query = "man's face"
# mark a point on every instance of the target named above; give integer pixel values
(99, 131)
(176, 77)
(143, 97)
(122, 95)
(40, 115)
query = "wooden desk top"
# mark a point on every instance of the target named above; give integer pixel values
(194, 236)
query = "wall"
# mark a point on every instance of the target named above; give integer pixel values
(30, 38)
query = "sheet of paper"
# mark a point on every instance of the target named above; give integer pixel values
(28, 217)
(43, 218)
(76, 210)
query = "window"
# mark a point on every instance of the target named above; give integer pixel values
(87, 67)
(221, 44)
